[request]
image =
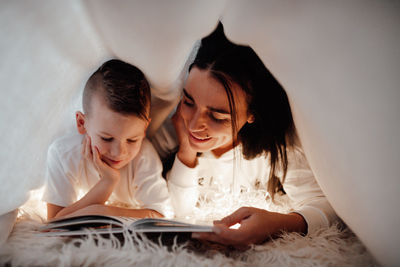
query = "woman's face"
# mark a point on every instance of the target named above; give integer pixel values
(206, 113)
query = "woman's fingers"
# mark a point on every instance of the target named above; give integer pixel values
(224, 235)
(177, 114)
(236, 217)
(231, 236)
(179, 124)
(210, 237)
(255, 227)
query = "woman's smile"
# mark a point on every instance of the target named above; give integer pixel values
(198, 139)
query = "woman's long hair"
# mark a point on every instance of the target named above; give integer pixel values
(273, 129)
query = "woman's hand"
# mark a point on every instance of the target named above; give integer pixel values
(256, 226)
(92, 154)
(185, 153)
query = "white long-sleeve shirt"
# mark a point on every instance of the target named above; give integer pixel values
(232, 174)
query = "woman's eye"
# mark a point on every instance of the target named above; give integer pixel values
(131, 141)
(218, 120)
(188, 103)
(105, 139)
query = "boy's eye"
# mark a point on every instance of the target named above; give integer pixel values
(107, 139)
(131, 141)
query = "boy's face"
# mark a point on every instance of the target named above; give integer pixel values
(118, 137)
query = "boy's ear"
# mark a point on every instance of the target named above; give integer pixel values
(80, 122)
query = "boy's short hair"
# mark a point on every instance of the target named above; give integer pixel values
(123, 86)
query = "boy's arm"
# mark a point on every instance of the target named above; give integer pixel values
(99, 193)
(52, 210)
(99, 209)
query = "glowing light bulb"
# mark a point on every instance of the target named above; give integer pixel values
(34, 205)
(235, 226)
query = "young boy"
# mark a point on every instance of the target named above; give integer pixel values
(109, 158)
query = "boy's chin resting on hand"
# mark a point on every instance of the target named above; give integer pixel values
(99, 209)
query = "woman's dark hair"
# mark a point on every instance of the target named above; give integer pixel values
(123, 86)
(273, 129)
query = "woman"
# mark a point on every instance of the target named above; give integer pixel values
(235, 131)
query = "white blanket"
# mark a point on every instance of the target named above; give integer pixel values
(334, 246)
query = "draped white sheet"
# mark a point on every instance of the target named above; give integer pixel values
(338, 61)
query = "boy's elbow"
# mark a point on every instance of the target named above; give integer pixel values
(155, 214)
(53, 211)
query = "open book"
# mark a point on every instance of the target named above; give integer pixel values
(103, 224)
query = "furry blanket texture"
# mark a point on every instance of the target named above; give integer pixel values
(334, 246)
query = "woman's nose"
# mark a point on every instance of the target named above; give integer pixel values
(197, 122)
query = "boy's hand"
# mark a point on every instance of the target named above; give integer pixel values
(185, 153)
(92, 154)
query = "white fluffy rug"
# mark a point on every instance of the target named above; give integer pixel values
(328, 247)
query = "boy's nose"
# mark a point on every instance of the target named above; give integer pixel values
(118, 150)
